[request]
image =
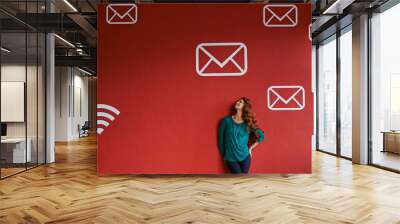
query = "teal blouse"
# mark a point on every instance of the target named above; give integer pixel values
(233, 139)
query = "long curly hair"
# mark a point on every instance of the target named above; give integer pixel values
(249, 117)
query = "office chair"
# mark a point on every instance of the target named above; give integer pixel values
(84, 130)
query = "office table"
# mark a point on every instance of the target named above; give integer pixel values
(391, 141)
(13, 150)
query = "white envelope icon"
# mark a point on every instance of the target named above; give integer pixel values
(121, 13)
(210, 64)
(280, 15)
(294, 98)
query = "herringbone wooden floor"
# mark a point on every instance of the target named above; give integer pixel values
(70, 191)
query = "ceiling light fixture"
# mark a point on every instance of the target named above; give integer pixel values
(5, 50)
(333, 6)
(64, 40)
(84, 71)
(337, 7)
(70, 5)
(79, 51)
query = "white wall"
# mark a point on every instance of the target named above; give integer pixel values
(71, 102)
(16, 73)
(12, 73)
(61, 103)
(80, 112)
(33, 127)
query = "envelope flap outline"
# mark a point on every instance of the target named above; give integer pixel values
(227, 60)
(276, 19)
(121, 16)
(286, 100)
(112, 8)
(235, 48)
(280, 18)
(292, 97)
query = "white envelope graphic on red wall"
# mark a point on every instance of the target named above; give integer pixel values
(221, 59)
(280, 15)
(286, 98)
(121, 13)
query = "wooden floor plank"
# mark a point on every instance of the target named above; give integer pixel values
(70, 191)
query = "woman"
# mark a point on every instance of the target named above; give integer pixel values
(238, 135)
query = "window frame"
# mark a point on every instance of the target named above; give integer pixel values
(334, 37)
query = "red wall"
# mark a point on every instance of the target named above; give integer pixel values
(169, 113)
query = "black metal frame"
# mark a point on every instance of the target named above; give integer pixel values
(338, 153)
(338, 98)
(0, 89)
(316, 98)
(369, 114)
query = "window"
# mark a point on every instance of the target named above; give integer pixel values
(346, 95)
(335, 74)
(385, 89)
(327, 95)
(22, 77)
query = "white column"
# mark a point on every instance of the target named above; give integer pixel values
(50, 110)
(50, 93)
(62, 103)
(360, 90)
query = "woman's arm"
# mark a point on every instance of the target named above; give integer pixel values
(221, 131)
(260, 135)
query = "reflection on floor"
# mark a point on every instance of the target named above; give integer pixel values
(10, 169)
(71, 191)
(346, 152)
(386, 159)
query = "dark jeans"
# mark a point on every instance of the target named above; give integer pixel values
(240, 167)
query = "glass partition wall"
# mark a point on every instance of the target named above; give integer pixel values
(334, 94)
(346, 95)
(22, 88)
(385, 89)
(327, 95)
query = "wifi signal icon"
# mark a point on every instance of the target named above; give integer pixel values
(108, 112)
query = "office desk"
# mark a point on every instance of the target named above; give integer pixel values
(391, 141)
(13, 150)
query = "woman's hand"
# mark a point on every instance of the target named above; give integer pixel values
(252, 147)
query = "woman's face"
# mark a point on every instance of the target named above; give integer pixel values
(239, 104)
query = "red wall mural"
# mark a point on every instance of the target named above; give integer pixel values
(167, 74)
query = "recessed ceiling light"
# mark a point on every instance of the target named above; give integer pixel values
(337, 7)
(70, 5)
(84, 71)
(5, 50)
(64, 40)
